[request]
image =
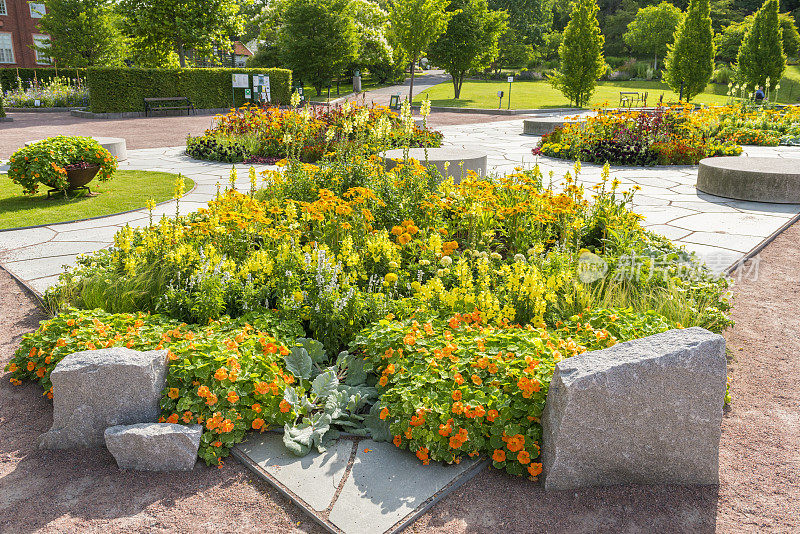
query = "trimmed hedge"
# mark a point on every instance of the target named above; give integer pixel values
(2, 111)
(116, 90)
(8, 76)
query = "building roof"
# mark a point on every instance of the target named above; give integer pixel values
(240, 49)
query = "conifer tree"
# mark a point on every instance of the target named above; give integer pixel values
(581, 54)
(690, 60)
(761, 55)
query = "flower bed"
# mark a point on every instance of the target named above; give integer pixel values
(666, 136)
(751, 125)
(56, 92)
(438, 310)
(256, 135)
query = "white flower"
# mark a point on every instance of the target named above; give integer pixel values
(425, 109)
(519, 258)
(495, 256)
(295, 99)
(446, 261)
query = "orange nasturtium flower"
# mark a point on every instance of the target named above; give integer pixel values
(256, 407)
(534, 469)
(285, 406)
(499, 455)
(258, 423)
(384, 413)
(397, 440)
(173, 393)
(233, 398)
(523, 457)
(172, 418)
(221, 374)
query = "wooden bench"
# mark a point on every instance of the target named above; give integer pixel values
(167, 102)
(631, 98)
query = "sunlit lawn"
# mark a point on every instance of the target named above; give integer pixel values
(127, 190)
(540, 94)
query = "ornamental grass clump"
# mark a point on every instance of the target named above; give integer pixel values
(46, 162)
(340, 296)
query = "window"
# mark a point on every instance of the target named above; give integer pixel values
(6, 48)
(43, 41)
(3, 10)
(37, 10)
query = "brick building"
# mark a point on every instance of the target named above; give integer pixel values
(19, 20)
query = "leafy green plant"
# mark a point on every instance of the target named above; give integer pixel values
(46, 162)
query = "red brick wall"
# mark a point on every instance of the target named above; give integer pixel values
(22, 26)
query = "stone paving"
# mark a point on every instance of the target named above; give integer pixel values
(356, 485)
(720, 230)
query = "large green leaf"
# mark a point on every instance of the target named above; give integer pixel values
(325, 384)
(315, 349)
(378, 428)
(354, 365)
(298, 439)
(298, 362)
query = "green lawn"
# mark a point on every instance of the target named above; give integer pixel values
(530, 95)
(127, 190)
(540, 94)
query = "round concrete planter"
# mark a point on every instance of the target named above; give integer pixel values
(542, 126)
(775, 180)
(115, 145)
(438, 157)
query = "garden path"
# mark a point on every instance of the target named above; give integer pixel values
(719, 230)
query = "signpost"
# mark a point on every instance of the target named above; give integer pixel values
(238, 81)
(394, 102)
(262, 87)
(500, 96)
(510, 81)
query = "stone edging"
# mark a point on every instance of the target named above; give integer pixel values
(42, 109)
(6, 119)
(82, 114)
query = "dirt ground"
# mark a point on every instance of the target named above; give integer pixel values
(150, 132)
(759, 491)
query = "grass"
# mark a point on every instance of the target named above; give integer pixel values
(127, 190)
(540, 94)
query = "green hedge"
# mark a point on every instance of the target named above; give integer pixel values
(115, 90)
(8, 77)
(2, 111)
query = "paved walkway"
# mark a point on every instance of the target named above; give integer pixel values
(719, 230)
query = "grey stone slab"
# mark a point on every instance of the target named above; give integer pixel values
(670, 232)
(103, 234)
(646, 411)
(40, 285)
(387, 485)
(50, 249)
(12, 239)
(730, 223)
(736, 242)
(39, 267)
(717, 259)
(154, 446)
(313, 478)
(97, 389)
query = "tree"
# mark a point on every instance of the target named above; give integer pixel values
(415, 24)
(690, 59)
(181, 25)
(581, 54)
(317, 39)
(512, 51)
(730, 39)
(530, 19)
(653, 29)
(374, 50)
(761, 56)
(83, 33)
(614, 25)
(470, 41)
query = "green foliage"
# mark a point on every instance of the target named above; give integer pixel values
(730, 38)
(581, 54)
(181, 25)
(761, 60)
(615, 24)
(317, 40)
(43, 162)
(530, 19)
(113, 90)
(10, 78)
(653, 29)
(415, 24)
(82, 33)
(690, 60)
(470, 41)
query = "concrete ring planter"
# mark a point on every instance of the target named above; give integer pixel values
(775, 180)
(439, 157)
